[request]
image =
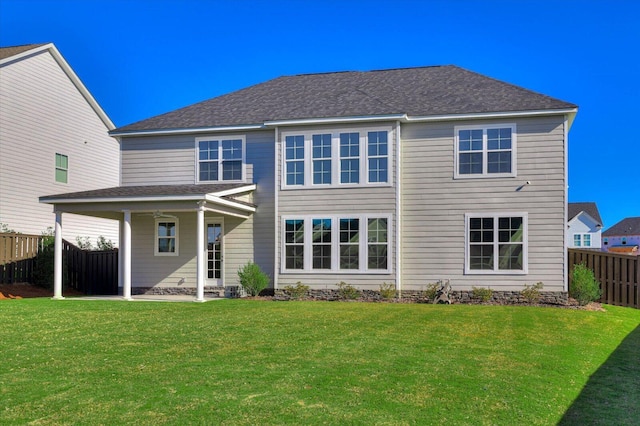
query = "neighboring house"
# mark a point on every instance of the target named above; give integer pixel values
(623, 237)
(54, 137)
(585, 226)
(402, 176)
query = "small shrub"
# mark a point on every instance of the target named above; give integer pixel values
(4, 228)
(252, 279)
(584, 286)
(347, 291)
(103, 244)
(484, 294)
(387, 291)
(84, 243)
(44, 263)
(298, 292)
(431, 290)
(532, 292)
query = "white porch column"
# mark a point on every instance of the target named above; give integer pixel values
(200, 255)
(126, 256)
(57, 258)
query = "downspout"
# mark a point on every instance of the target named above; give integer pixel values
(398, 238)
(566, 204)
(276, 187)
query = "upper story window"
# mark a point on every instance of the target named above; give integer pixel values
(220, 159)
(62, 168)
(485, 151)
(337, 158)
(496, 243)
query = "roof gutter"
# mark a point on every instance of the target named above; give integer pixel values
(186, 131)
(330, 120)
(570, 112)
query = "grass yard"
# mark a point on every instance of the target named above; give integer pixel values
(256, 362)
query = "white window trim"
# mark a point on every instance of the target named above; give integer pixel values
(496, 271)
(335, 244)
(177, 237)
(335, 158)
(220, 139)
(56, 168)
(485, 174)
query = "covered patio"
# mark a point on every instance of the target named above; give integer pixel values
(163, 203)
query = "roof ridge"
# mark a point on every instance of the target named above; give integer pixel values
(367, 71)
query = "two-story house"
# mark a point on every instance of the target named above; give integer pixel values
(54, 138)
(585, 226)
(402, 176)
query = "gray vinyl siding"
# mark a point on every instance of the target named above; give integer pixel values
(338, 201)
(43, 113)
(434, 204)
(171, 160)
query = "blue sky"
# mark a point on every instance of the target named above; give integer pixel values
(140, 58)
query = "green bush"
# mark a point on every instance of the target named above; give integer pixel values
(347, 291)
(387, 291)
(532, 292)
(431, 291)
(298, 292)
(252, 279)
(44, 263)
(484, 294)
(584, 286)
(104, 244)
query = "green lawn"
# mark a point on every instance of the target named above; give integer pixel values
(256, 362)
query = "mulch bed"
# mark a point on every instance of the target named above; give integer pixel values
(24, 290)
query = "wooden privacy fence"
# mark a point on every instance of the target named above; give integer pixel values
(91, 272)
(17, 257)
(618, 274)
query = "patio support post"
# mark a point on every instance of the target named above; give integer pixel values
(126, 256)
(200, 257)
(57, 258)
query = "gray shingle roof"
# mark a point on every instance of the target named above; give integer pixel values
(7, 52)
(627, 226)
(589, 208)
(144, 191)
(425, 91)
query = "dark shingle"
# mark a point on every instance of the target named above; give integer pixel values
(589, 208)
(426, 91)
(627, 226)
(9, 51)
(144, 191)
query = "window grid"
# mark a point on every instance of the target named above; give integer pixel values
(220, 159)
(321, 243)
(349, 243)
(321, 154)
(294, 159)
(349, 157)
(377, 243)
(166, 238)
(485, 151)
(294, 244)
(496, 243)
(377, 150)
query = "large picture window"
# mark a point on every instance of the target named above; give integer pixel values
(488, 151)
(496, 243)
(220, 159)
(166, 239)
(355, 244)
(337, 158)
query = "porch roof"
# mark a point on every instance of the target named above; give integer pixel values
(154, 193)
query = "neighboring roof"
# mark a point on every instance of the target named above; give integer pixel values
(7, 52)
(633, 249)
(9, 55)
(627, 226)
(414, 92)
(589, 208)
(150, 191)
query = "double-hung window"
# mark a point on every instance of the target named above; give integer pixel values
(582, 240)
(62, 168)
(336, 158)
(349, 157)
(485, 151)
(166, 241)
(496, 243)
(220, 159)
(353, 244)
(294, 160)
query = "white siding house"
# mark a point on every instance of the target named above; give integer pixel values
(404, 177)
(585, 226)
(54, 138)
